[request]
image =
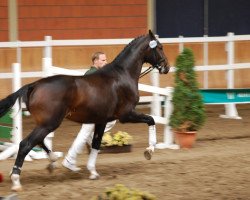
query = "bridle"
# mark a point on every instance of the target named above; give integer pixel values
(157, 65)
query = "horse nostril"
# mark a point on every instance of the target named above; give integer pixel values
(165, 70)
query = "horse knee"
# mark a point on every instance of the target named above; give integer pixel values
(151, 121)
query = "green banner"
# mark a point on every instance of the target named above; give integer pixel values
(223, 96)
(5, 132)
(6, 119)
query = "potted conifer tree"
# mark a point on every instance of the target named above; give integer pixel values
(188, 114)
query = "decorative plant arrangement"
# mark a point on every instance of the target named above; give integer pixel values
(188, 115)
(116, 143)
(120, 192)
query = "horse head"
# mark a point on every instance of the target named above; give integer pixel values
(155, 55)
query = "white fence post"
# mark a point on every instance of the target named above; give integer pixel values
(17, 111)
(47, 57)
(168, 138)
(47, 49)
(205, 63)
(47, 64)
(16, 138)
(230, 109)
(181, 45)
(168, 109)
(156, 103)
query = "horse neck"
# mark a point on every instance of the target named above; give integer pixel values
(132, 57)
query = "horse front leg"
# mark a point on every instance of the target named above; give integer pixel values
(96, 143)
(134, 117)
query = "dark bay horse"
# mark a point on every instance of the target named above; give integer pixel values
(109, 93)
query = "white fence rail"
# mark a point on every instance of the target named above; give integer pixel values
(48, 43)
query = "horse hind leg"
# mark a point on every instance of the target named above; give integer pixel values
(34, 138)
(51, 156)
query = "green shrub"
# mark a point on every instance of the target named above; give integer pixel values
(120, 192)
(188, 113)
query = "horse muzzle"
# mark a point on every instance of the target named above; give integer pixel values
(164, 70)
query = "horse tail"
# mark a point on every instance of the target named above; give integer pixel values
(7, 103)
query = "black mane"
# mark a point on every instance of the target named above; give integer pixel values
(128, 46)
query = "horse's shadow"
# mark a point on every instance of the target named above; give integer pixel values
(61, 174)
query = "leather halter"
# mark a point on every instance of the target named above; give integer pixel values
(157, 65)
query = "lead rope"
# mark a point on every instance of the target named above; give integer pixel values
(146, 71)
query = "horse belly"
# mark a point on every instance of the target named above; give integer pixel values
(86, 117)
(90, 114)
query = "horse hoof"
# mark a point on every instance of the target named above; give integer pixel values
(148, 154)
(53, 157)
(16, 188)
(51, 167)
(16, 183)
(94, 176)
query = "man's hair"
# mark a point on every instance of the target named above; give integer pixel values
(96, 56)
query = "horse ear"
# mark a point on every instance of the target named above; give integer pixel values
(152, 36)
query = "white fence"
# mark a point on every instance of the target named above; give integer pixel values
(48, 43)
(156, 107)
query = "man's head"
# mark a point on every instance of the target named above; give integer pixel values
(99, 59)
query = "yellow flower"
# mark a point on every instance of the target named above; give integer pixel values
(107, 139)
(120, 138)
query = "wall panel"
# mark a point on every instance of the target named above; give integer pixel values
(3, 20)
(81, 19)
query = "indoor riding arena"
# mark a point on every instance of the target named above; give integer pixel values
(40, 38)
(217, 167)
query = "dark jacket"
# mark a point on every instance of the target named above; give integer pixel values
(91, 70)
